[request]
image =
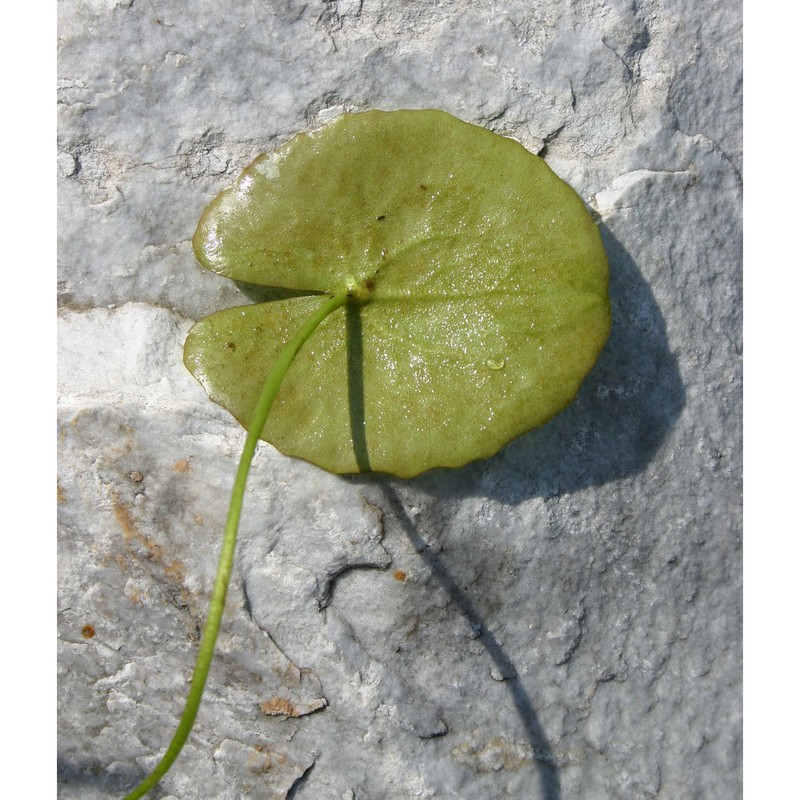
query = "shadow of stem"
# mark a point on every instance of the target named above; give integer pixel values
(355, 386)
(549, 781)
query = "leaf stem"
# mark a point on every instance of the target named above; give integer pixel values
(225, 565)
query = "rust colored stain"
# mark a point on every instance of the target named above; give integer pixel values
(60, 496)
(399, 575)
(279, 707)
(130, 531)
(88, 631)
(182, 466)
(125, 519)
(174, 569)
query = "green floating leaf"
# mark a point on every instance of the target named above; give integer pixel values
(479, 292)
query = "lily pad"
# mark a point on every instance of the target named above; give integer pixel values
(478, 292)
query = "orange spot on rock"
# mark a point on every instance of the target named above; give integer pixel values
(175, 570)
(88, 631)
(279, 707)
(182, 466)
(399, 575)
(125, 520)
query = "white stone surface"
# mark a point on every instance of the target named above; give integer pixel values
(560, 621)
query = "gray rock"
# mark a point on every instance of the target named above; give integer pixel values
(562, 620)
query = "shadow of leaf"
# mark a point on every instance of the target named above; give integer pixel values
(623, 412)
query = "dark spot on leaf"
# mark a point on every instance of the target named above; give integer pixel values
(424, 187)
(230, 345)
(381, 217)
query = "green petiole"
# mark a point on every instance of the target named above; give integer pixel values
(220, 591)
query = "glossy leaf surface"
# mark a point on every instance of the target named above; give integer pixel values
(480, 292)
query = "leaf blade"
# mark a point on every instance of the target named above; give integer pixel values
(484, 277)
